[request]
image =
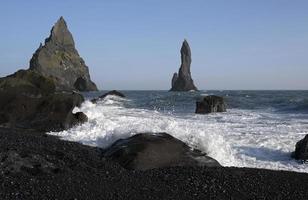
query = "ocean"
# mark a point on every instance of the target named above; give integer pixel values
(259, 129)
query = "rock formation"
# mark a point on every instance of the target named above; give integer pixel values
(59, 59)
(26, 82)
(156, 150)
(183, 81)
(28, 100)
(112, 92)
(301, 149)
(210, 104)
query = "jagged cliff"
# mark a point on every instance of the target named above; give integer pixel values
(59, 59)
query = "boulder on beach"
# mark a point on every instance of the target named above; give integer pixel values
(182, 81)
(156, 150)
(59, 60)
(210, 104)
(112, 92)
(301, 149)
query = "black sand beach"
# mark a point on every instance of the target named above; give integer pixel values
(39, 166)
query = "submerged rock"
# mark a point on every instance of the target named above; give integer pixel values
(59, 60)
(301, 149)
(210, 104)
(183, 81)
(156, 150)
(113, 92)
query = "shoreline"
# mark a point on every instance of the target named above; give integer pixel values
(51, 168)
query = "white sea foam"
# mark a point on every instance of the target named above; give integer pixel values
(236, 138)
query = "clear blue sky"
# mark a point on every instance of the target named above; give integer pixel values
(236, 44)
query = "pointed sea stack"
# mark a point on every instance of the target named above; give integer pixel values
(183, 81)
(59, 59)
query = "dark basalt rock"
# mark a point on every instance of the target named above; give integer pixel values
(301, 149)
(210, 104)
(54, 113)
(59, 60)
(113, 92)
(183, 81)
(47, 113)
(31, 99)
(81, 117)
(156, 150)
(28, 100)
(81, 84)
(28, 83)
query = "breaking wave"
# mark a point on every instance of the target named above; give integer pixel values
(239, 137)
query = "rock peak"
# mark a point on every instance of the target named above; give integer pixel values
(60, 34)
(185, 43)
(61, 23)
(185, 50)
(183, 81)
(59, 59)
(61, 19)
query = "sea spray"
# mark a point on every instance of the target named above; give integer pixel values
(109, 121)
(241, 137)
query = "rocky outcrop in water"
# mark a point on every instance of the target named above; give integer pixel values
(210, 104)
(58, 59)
(112, 92)
(28, 100)
(301, 149)
(183, 81)
(156, 150)
(41, 97)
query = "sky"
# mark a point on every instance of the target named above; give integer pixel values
(135, 45)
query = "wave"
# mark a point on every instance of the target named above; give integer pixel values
(283, 102)
(296, 106)
(239, 137)
(109, 121)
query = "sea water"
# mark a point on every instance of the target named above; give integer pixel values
(259, 129)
